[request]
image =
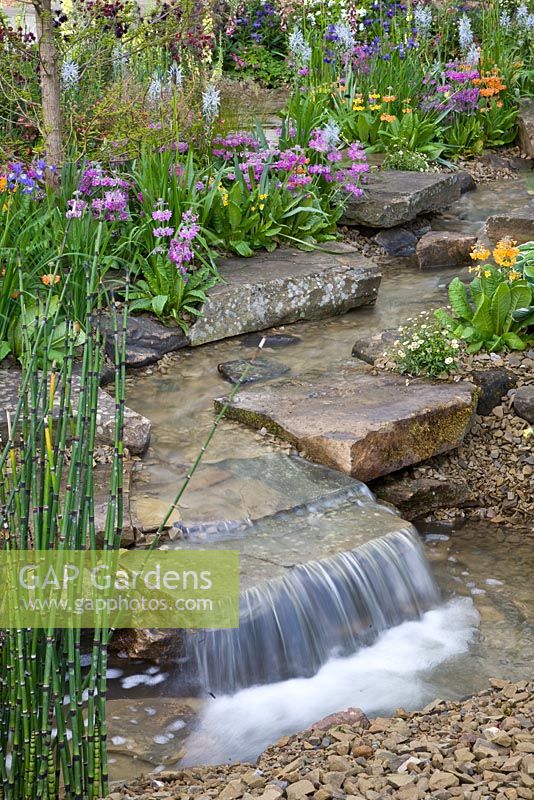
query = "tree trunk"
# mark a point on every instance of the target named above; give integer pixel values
(50, 90)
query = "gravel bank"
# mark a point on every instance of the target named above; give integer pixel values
(480, 748)
(496, 458)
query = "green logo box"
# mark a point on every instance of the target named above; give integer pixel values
(119, 589)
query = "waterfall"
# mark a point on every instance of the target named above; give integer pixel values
(291, 625)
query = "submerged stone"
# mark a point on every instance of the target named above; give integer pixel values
(271, 341)
(395, 197)
(362, 424)
(277, 288)
(259, 369)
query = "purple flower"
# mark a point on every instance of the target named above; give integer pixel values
(75, 207)
(161, 232)
(161, 214)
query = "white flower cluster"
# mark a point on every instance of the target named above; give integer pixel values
(299, 49)
(465, 33)
(423, 20)
(70, 74)
(211, 102)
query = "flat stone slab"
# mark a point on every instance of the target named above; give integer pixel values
(363, 424)
(285, 286)
(394, 197)
(518, 223)
(136, 427)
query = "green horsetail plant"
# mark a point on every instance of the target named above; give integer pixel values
(53, 704)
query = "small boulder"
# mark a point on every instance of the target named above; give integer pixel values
(259, 369)
(524, 403)
(494, 384)
(439, 249)
(397, 242)
(442, 780)
(518, 224)
(147, 339)
(417, 497)
(525, 129)
(351, 716)
(373, 347)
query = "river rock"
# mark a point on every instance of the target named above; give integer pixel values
(493, 384)
(524, 403)
(518, 224)
(300, 790)
(259, 369)
(351, 716)
(136, 426)
(525, 130)
(439, 249)
(394, 197)
(147, 339)
(397, 242)
(158, 645)
(273, 289)
(417, 497)
(373, 347)
(362, 424)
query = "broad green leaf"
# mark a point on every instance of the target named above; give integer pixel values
(513, 341)
(482, 319)
(5, 350)
(458, 299)
(500, 307)
(158, 304)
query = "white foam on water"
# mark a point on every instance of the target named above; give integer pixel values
(395, 671)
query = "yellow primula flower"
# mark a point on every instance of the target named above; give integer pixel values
(487, 273)
(480, 253)
(375, 107)
(514, 275)
(358, 107)
(3, 182)
(506, 252)
(374, 97)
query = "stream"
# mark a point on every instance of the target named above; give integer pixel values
(478, 625)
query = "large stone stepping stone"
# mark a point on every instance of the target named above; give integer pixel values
(136, 426)
(394, 197)
(360, 423)
(273, 289)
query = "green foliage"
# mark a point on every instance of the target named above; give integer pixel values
(415, 132)
(410, 160)
(426, 347)
(167, 293)
(483, 313)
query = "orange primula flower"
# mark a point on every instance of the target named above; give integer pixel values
(50, 279)
(388, 117)
(389, 98)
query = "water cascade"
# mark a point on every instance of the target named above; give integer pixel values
(292, 625)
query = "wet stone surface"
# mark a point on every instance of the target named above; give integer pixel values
(252, 371)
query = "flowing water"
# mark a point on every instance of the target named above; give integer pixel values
(339, 606)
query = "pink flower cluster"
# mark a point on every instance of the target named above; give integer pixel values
(107, 196)
(180, 248)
